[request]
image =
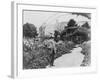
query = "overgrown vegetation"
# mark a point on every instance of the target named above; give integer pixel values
(37, 55)
(86, 50)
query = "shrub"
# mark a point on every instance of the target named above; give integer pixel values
(64, 48)
(69, 45)
(29, 30)
(86, 48)
(37, 55)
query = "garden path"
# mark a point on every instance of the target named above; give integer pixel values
(72, 59)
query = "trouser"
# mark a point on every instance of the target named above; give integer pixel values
(52, 58)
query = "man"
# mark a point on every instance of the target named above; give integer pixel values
(51, 46)
(52, 57)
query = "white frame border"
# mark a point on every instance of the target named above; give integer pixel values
(16, 70)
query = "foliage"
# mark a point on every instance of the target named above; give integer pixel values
(86, 48)
(86, 25)
(77, 34)
(64, 48)
(46, 37)
(38, 56)
(29, 30)
(87, 15)
(71, 23)
(56, 35)
(42, 32)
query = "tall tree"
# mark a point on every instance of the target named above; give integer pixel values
(56, 35)
(71, 23)
(86, 25)
(29, 30)
(42, 31)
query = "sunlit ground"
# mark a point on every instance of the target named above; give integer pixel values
(72, 59)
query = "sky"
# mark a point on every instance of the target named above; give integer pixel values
(39, 18)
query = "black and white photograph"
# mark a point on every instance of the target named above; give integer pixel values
(56, 39)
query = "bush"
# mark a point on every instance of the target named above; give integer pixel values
(36, 59)
(69, 45)
(36, 55)
(86, 48)
(29, 30)
(64, 48)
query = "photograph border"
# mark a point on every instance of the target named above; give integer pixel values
(16, 71)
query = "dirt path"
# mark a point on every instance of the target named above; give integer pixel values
(72, 59)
